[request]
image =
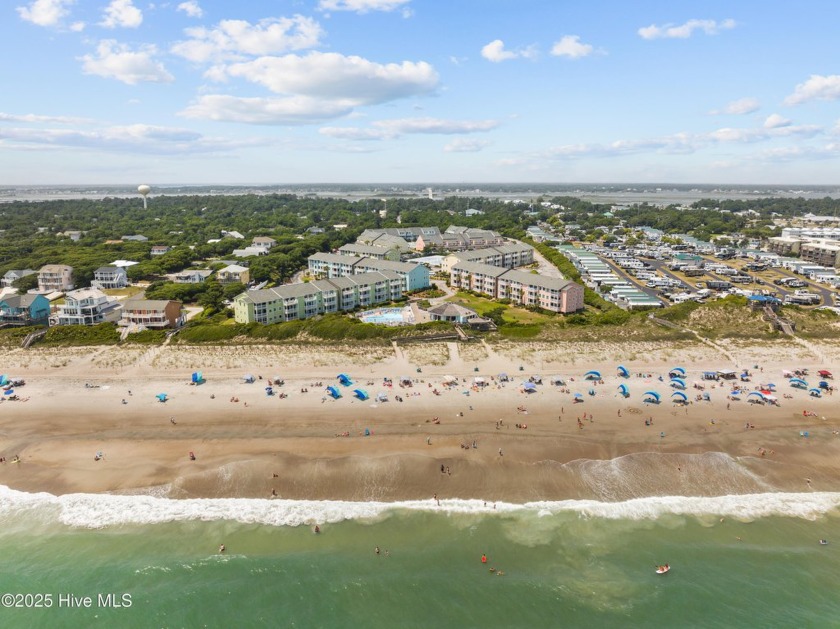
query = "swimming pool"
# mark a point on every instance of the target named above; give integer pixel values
(388, 316)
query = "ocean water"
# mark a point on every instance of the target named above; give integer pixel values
(736, 561)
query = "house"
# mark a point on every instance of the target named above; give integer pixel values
(314, 230)
(308, 299)
(191, 276)
(520, 287)
(263, 242)
(31, 309)
(14, 275)
(73, 235)
(473, 212)
(55, 278)
(248, 252)
(88, 306)
(152, 313)
(233, 273)
(109, 277)
(159, 250)
(237, 235)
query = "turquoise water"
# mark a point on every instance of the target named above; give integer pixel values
(565, 564)
(387, 316)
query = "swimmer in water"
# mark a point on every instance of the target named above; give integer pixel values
(221, 548)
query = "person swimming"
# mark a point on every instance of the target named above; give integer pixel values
(221, 548)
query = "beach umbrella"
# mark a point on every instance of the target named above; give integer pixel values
(680, 396)
(361, 394)
(765, 392)
(503, 377)
(4, 380)
(679, 371)
(799, 383)
(825, 373)
(529, 387)
(654, 395)
(622, 371)
(344, 379)
(622, 388)
(161, 397)
(823, 384)
(678, 383)
(771, 386)
(334, 392)
(382, 396)
(592, 375)
(815, 392)
(760, 394)
(707, 397)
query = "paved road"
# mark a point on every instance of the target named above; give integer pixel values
(545, 267)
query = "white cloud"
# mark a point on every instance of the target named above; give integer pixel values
(77, 27)
(683, 31)
(191, 8)
(571, 46)
(45, 12)
(4, 117)
(363, 6)
(817, 87)
(495, 52)
(293, 110)
(335, 76)
(465, 145)
(234, 38)
(122, 13)
(774, 121)
(391, 129)
(117, 61)
(738, 107)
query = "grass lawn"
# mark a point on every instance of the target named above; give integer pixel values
(128, 291)
(512, 314)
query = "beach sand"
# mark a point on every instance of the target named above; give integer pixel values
(295, 446)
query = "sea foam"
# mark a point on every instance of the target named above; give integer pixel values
(108, 510)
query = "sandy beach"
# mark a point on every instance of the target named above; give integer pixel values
(307, 445)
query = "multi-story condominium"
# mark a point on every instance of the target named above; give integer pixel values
(457, 238)
(370, 251)
(331, 265)
(88, 306)
(29, 309)
(13, 276)
(110, 277)
(55, 278)
(377, 238)
(520, 287)
(307, 299)
(152, 313)
(510, 255)
(826, 252)
(233, 273)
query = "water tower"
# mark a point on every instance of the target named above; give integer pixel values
(144, 190)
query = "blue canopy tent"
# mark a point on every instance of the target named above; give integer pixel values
(676, 372)
(622, 371)
(622, 388)
(361, 394)
(678, 383)
(799, 383)
(707, 397)
(529, 387)
(334, 393)
(592, 375)
(4, 380)
(344, 379)
(161, 397)
(815, 392)
(652, 396)
(823, 384)
(269, 391)
(248, 378)
(197, 377)
(680, 396)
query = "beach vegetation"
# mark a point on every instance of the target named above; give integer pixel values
(73, 335)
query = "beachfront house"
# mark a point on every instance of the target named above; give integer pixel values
(13, 276)
(249, 252)
(20, 310)
(88, 306)
(191, 276)
(153, 313)
(307, 299)
(233, 273)
(106, 277)
(55, 278)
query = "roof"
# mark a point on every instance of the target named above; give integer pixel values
(265, 239)
(85, 293)
(18, 272)
(389, 265)
(19, 301)
(478, 267)
(451, 310)
(109, 269)
(365, 249)
(148, 304)
(233, 268)
(303, 289)
(54, 268)
(335, 258)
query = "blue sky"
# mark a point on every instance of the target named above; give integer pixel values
(309, 91)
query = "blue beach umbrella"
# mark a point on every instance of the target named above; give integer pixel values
(677, 370)
(334, 392)
(529, 387)
(757, 394)
(361, 394)
(579, 396)
(815, 392)
(654, 395)
(622, 371)
(592, 375)
(161, 397)
(622, 388)
(344, 379)
(678, 383)
(680, 396)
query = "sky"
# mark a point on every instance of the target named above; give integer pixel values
(419, 91)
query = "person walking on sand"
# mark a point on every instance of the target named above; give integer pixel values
(500, 452)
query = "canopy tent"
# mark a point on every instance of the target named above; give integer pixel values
(710, 375)
(677, 383)
(197, 377)
(680, 396)
(558, 380)
(247, 378)
(815, 392)
(529, 387)
(622, 371)
(503, 377)
(162, 397)
(825, 373)
(592, 375)
(449, 379)
(382, 396)
(479, 380)
(535, 379)
(334, 392)
(361, 394)
(823, 384)
(707, 397)
(652, 395)
(344, 379)
(799, 383)
(622, 388)
(678, 371)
